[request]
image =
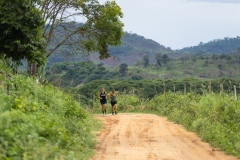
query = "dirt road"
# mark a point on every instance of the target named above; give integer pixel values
(150, 137)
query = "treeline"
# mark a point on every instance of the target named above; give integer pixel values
(164, 67)
(218, 46)
(74, 74)
(147, 89)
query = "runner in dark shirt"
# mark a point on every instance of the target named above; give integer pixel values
(103, 100)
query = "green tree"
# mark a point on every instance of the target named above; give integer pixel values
(21, 32)
(145, 60)
(215, 56)
(158, 57)
(194, 58)
(222, 56)
(101, 26)
(101, 69)
(123, 69)
(165, 59)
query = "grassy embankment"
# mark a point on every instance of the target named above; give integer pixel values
(41, 122)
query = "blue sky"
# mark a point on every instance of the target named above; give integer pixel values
(181, 23)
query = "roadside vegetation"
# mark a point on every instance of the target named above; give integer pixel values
(213, 116)
(38, 120)
(41, 122)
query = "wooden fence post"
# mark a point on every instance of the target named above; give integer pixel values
(164, 89)
(221, 87)
(195, 90)
(174, 89)
(79, 98)
(209, 86)
(235, 92)
(185, 86)
(125, 96)
(155, 90)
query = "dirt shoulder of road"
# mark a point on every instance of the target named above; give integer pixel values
(150, 137)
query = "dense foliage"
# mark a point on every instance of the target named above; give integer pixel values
(100, 25)
(133, 48)
(209, 67)
(214, 117)
(218, 46)
(21, 30)
(41, 122)
(147, 89)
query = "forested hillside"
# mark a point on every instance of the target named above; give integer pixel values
(218, 46)
(199, 67)
(134, 47)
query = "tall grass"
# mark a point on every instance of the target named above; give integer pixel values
(41, 122)
(214, 117)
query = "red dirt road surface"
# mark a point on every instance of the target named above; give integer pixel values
(150, 137)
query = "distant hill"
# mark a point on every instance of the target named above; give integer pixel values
(218, 46)
(134, 47)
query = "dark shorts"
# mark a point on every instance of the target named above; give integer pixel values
(113, 103)
(103, 102)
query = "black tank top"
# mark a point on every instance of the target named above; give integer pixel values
(103, 95)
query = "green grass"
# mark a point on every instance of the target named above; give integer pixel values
(42, 123)
(189, 69)
(214, 117)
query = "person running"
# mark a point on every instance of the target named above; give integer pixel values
(103, 100)
(113, 97)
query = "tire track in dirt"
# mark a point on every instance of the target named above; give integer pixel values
(150, 137)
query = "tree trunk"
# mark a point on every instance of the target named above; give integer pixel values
(29, 67)
(32, 69)
(35, 70)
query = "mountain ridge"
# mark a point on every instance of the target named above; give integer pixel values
(134, 47)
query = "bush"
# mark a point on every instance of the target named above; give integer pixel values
(42, 122)
(215, 117)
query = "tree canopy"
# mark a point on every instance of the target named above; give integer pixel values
(123, 69)
(101, 25)
(21, 31)
(145, 60)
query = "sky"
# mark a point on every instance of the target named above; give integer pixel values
(181, 23)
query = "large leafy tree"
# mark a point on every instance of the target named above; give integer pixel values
(165, 59)
(100, 27)
(123, 69)
(145, 60)
(158, 57)
(21, 31)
